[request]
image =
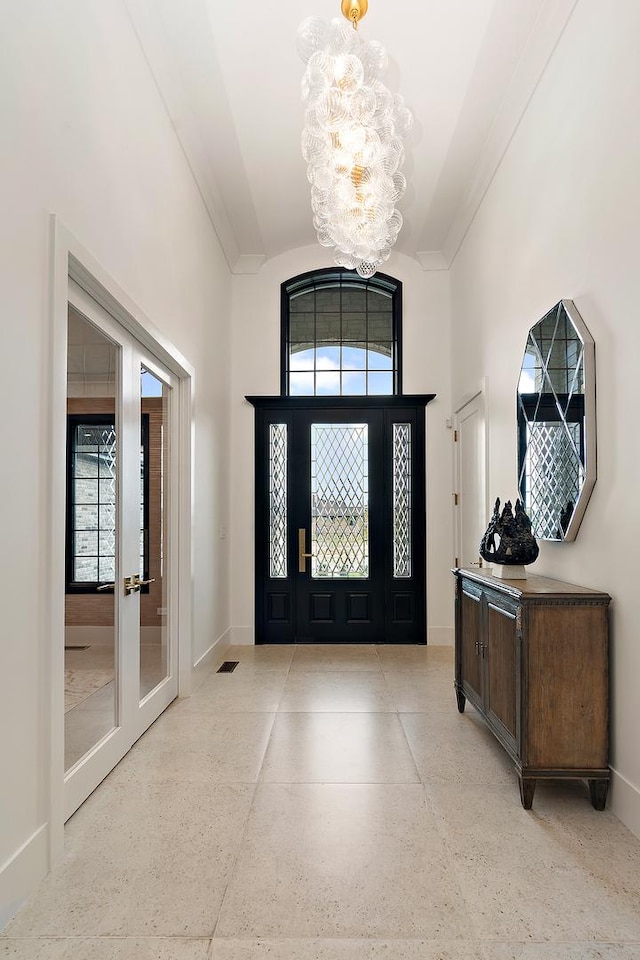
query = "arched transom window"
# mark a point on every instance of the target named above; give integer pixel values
(341, 335)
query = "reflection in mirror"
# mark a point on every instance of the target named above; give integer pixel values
(556, 423)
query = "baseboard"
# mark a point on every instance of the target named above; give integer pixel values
(440, 636)
(242, 636)
(79, 635)
(625, 801)
(22, 872)
(212, 652)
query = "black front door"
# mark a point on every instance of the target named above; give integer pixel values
(340, 522)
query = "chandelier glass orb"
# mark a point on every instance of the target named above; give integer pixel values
(352, 140)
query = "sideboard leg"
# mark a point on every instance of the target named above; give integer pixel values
(527, 790)
(460, 697)
(598, 790)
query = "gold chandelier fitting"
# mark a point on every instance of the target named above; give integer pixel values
(354, 10)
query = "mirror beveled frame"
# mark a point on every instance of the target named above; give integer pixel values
(588, 427)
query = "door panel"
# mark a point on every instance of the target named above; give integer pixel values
(132, 462)
(338, 499)
(340, 524)
(471, 512)
(501, 674)
(471, 641)
(91, 616)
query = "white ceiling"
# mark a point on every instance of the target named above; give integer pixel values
(230, 78)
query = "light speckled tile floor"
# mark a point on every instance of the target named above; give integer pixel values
(329, 803)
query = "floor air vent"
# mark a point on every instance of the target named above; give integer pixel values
(228, 666)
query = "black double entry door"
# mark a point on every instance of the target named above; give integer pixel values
(340, 520)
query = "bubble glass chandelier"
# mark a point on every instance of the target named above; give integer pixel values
(352, 140)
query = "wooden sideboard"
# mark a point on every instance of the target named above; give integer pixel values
(532, 656)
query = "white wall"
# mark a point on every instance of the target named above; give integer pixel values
(256, 370)
(560, 220)
(83, 134)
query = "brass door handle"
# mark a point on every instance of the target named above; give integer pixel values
(131, 585)
(106, 586)
(143, 583)
(302, 547)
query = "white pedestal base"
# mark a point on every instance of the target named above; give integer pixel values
(505, 571)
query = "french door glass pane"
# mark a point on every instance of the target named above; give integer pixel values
(402, 500)
(154, 527)
(92, 464)
(278, 500)
(340, 500)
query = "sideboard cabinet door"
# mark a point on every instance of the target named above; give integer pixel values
(501, 675)
(469, 614)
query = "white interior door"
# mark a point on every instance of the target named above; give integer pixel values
(471, 507)
(120, 593)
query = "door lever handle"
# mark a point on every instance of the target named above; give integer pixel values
(302, 547)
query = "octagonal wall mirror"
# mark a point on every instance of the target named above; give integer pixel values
(557, 423)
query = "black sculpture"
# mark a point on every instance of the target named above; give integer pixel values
(508, 538)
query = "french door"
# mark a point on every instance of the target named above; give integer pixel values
(340, 512)
(120, 608)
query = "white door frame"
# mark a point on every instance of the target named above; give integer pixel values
(70, 260)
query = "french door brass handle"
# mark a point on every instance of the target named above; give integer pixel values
(302, 547)
(106, 586)
(134, 583)
(131, 585)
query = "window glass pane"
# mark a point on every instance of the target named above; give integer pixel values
(155, 438)
(354, 383)
(106, 543)
(87, 516)
(302, 360)
(86, 570)
(339, 500)
(328, 384)
(278, 500)
(354, 326)
(328, 358)
(303, 302)
(327, 300)
(106, 570)
(354, 299)
(301, 384)
(380, 384)
(402, 500)
(86, 543)
(86, 491)
(380, 327)
(328, 327)
(150, 386)
(380, 356)
(302, 328)
(378, 301)
(354, 357)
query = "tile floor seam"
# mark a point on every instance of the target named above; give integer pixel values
(232, 868)
(411, 754)
(441, 832)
